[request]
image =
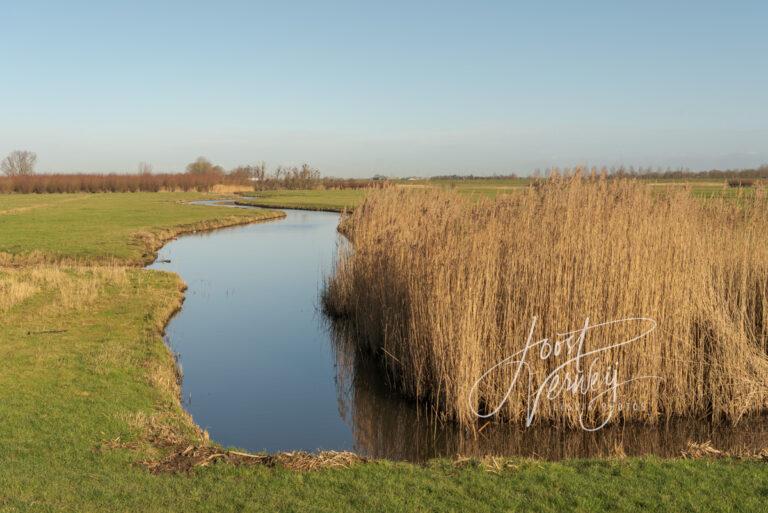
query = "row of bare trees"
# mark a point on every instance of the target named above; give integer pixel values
(292, 177)
(69, 183)
(22, 163)
(200, 175)
(283, 177)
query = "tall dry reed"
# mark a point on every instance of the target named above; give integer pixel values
(442, 288)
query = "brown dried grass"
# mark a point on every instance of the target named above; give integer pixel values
(73, 288)
(187, 458)
(441, 288)
(14, 291)
(223, 188)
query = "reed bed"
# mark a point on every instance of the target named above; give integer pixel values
(441, 288)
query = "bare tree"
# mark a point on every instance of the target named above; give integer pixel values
(260, 171)
(19, 163)
(243, 173)
(254, 173)
(309, 173)
(203, 166)
(145, 168)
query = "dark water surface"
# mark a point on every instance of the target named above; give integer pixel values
(263, 371)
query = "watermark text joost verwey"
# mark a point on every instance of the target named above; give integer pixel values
(572, 375)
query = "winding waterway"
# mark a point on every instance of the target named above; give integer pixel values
(263, 370)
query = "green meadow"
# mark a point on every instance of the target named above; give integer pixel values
(125, 227)
(332, 200)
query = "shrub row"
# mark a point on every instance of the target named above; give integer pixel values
(68, 183)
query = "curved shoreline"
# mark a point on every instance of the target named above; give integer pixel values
(185, 456)
(154, 241)
(307, 208)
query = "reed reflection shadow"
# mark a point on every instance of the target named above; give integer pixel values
(385, 425)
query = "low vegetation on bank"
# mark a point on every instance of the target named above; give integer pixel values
(442, 289)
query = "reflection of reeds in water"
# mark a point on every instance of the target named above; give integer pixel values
(385, 425)
(441, 288)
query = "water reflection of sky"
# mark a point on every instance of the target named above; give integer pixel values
(258, 371)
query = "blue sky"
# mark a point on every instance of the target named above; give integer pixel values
(402, 88)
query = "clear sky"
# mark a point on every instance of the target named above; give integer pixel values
(402, 88)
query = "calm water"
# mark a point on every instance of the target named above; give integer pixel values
(263, 370)
(257, 364)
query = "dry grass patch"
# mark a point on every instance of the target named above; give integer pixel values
(74, 288)
(187, 458)
(13, 290)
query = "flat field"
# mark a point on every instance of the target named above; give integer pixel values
(332, 200)
(124, 227)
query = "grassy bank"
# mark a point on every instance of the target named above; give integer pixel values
(89, 398)
(119, 227)
(328, 200)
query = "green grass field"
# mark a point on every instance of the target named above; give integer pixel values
(332, 200)
(123, 226)
(88, 392)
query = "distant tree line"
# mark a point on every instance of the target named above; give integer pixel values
(202, 175)
(282, 177)
(758, 173)
(61, 183)
(508, 176)
(684, 173)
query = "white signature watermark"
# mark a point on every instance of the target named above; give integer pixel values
(602, 383)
